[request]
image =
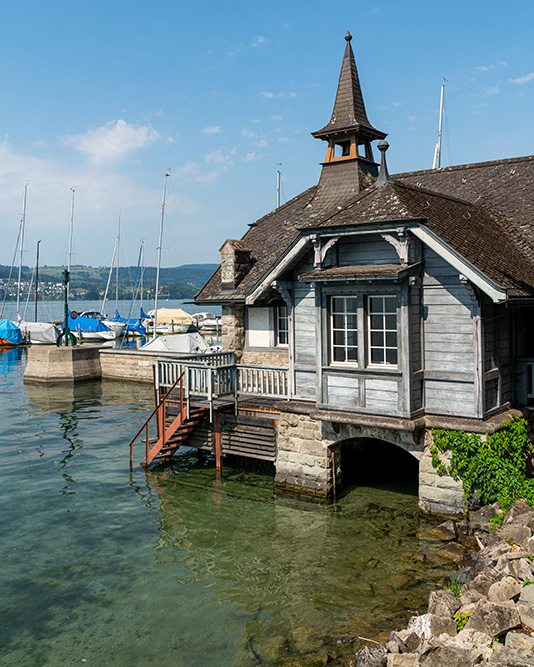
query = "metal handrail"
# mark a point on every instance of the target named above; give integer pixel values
(157, 410)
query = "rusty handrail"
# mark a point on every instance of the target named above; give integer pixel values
(145, 425)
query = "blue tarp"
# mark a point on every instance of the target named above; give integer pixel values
(81, 323)
(10, 332)
(144, 316)
(134, 326)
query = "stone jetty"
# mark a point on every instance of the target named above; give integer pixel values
(485, 613)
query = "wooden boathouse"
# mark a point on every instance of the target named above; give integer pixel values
(363, 313)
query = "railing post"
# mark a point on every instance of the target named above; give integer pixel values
(218, 453)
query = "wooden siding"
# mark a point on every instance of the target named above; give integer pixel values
(305, 341)
(416, 348)
(368, 249)
(449, 340)
(343, 391)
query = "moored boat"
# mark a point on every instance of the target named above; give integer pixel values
(10, 334)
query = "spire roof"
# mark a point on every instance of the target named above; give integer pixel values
(349, 108)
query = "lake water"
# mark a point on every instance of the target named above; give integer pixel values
(104, 565)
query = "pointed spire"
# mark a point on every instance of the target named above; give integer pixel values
(383, 176)
(349, 108)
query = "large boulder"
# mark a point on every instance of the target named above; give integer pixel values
(506, 589)
(443, 603)
(430, 625)
(371, 656)
(493, 618)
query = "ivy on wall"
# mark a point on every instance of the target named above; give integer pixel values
(491, 470)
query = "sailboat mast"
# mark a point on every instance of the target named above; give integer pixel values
(278, 188)
(22, 223)
(142, 259)
(70, 229)
(36, 278)
(437, 153)
(159, 254)
(117, 269)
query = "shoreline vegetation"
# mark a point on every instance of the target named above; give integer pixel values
(89, 283)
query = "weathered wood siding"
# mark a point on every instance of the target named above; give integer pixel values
(416, 348)
(368, 249)
(449, 342)
(305, 341)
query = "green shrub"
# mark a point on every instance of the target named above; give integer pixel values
(493, 469)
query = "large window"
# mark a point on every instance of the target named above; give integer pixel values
(282, 326)
(344, 332)
(382, 315)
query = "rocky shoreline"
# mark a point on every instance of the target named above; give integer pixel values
(485, 613)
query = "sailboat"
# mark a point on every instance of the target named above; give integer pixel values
(31, 332)
(115, 325)
(151, 323)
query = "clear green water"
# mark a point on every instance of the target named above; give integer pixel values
(117, 567)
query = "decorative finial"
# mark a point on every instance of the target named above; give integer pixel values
(348, 36)
(383, 176)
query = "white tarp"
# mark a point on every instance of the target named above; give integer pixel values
(39, 332)
(170, 315)
(188, 343)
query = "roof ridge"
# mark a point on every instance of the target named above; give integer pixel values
(470, 165)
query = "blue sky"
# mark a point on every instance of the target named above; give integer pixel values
(107, 96)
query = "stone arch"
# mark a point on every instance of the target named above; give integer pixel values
(375, 461)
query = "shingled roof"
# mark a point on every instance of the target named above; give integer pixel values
(491, 225)
(349, 108)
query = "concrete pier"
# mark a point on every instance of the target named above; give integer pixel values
(48, 363)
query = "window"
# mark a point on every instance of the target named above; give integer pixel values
(282, 326)
(344, 331)
(382, 314)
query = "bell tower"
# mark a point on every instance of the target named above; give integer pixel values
(349, 166)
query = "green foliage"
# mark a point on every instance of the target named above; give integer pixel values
(528, 582)
(455, 585)
(494, 468)
(461, 620)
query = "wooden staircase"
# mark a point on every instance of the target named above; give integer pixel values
(177, 430)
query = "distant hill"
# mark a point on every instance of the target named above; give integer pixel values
(88, 282)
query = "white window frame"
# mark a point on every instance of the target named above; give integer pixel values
(355, 329)
(384, 330)
(281, 318)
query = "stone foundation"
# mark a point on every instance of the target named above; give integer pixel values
(265, 358)
(127, 365)
(304, 462)
(438, 494)
(48, 363)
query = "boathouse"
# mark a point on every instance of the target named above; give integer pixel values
(371, 308)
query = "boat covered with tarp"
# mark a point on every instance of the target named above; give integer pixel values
(170, 320)
(10, 334)
(39, 333)
(132, 326)
(88, 328)
(188, 343)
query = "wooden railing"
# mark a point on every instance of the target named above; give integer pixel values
(215, 375)
(263, 381)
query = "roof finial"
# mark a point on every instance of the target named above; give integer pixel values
(383, 176)
(348, 36)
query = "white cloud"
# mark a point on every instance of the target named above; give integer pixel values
(411, 118)
(397, 104)
(111, 142)
(257, 41)
(218, 157)
(212, 129)
(274, 117)
(267, 93)
(523, 79)
(492, 90)
(252, 157)
(485, 68)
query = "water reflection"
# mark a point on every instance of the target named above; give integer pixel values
(292, 568)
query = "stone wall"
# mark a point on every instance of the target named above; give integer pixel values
(127, 365)
(304, 460)
(47, 363)
(233, 329)
(265, 358)
(438, 494)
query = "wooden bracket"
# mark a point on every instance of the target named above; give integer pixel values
(320, 250)
(401, 244)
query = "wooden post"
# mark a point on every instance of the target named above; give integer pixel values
(218, 453)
